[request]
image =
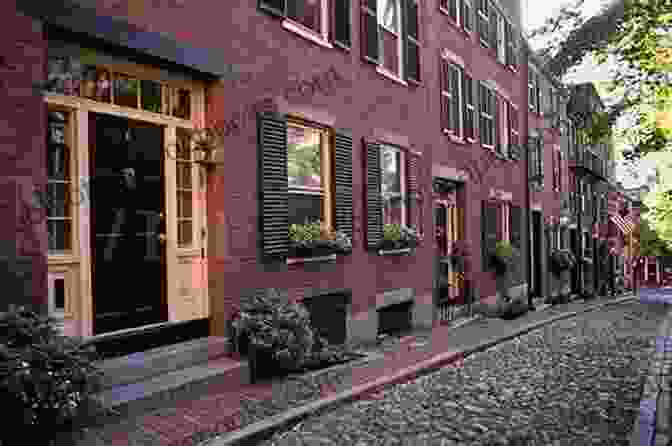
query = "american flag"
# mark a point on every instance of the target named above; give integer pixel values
(624, 224)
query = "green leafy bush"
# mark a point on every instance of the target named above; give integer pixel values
(46, 380)
(396, 236)
(315, 238)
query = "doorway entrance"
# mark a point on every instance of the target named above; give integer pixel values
(449, 230)
(127, 227)
(537, 243)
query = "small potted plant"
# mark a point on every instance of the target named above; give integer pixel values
(503, 257)
(317, 240)
(398, 237)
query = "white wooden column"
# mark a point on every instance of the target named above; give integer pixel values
(84, 311)
(646, 269)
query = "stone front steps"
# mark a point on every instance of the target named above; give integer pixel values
(158, 378)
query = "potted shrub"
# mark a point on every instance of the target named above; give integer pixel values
(316, 240)
(280, 336)
(397, 237)
(46, 379)
(503, 256)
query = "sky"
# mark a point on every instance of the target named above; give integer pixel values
(535, 12)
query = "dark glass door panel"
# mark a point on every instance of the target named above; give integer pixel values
(126, 223)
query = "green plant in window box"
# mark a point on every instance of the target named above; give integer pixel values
(503, 257)
(316, 240)
(396, 236)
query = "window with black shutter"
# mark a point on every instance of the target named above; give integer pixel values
(309, 14)
(412, 37)
(391, 36)
(392, 189)
(489, 231)
(305, 176)
(496, 123)
(455, 87)
(512, 115)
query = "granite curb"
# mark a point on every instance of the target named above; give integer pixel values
(652, 427)
(253, 433)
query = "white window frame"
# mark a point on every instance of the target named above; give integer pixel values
(402, 181)
(322, 37)
(399, 76)
(531, 90)
(501, 38)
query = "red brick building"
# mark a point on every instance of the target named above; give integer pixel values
(356, 113)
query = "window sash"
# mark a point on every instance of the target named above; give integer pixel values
(467, 15)
(401, 177)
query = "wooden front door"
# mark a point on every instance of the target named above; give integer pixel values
(127, 224)
(449, 226)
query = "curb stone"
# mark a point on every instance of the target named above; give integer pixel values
(256, 432)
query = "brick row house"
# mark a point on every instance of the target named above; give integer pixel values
(359, 114)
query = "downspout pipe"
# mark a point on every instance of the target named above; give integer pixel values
(528, 213)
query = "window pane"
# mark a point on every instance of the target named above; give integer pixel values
(182, 104)
(59, 294)
(389, 14)
(304, 161)
(391, 181)
(304, 207)
(126, 91)
(59, 235)
(58, 162)
(184, 232)
(184, 204)
(393, 210)
(58, 200)
(150, 96)
(306, 12)
(184, 175)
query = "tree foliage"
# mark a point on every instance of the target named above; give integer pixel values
(635, 36)
(659, 219)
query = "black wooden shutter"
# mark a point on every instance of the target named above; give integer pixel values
(477, 120)
(516, 226)
(452, 9)
(369, 38)
(489, 223)
(411, 41)
(445, 103)
(455, 99)
(467, 130)
(275, 7)
(492, 18)
(495, 122)
(374, 202)
(413, 187)
(540, 149)
(343, 181)
(273, 212)
(342, 26)
(466, 16)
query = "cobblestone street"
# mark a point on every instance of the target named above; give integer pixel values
(575, 382)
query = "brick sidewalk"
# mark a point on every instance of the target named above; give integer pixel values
(192, 421)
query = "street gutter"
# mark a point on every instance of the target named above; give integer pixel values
(256, 432)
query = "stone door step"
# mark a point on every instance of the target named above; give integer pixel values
(144, 365)
(161, 377)
(168, 389)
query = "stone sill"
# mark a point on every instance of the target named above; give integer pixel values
(299, 260)
(392, 252)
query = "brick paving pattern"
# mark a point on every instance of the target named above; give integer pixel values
(192, 422)
(577, 382)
